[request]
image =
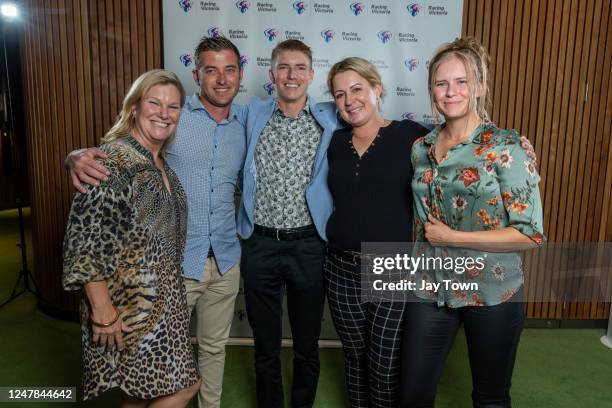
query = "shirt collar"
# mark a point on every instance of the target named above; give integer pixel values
(475, 136)
(130, 140)
(194, 103)
(278, 110)
(432, 136)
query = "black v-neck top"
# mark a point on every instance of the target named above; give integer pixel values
(372, 194)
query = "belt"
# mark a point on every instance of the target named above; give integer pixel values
(352, 257)
(211, 254)
(288, 234)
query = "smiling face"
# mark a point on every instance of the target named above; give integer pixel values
(356, 99)
(156, 115)
(218, 76)
(291, 74)
(452, 91)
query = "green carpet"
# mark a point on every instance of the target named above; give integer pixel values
(555, 367)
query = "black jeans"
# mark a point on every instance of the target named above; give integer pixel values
(270, 268)
(492, 334)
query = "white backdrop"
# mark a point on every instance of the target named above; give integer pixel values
(398, 36)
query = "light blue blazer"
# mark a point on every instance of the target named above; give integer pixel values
(318, 197)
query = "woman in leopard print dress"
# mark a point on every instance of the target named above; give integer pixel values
(124, 246)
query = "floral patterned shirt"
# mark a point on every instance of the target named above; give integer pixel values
(488, 182)
(284, 158)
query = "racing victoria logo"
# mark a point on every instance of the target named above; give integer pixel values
(243, 5)
(215, 32)
(384, 36)
(244, 61)
(271, 33)
(357, 8)
(185, 5)
(409, 115)
(186, 59)
(411, 64)
(269, 88)
(413, 9)
(328, 35)
(299, 7)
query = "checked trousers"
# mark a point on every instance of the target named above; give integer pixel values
(370, 333)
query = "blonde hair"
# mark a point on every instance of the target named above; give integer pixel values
(361, 66)
(476, 61)
(125, 120)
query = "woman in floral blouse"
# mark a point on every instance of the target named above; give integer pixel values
(475, 189)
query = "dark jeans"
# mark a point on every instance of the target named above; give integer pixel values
(492, 334)
(270, 268)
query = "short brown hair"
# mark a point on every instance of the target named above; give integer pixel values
(214, 44)
(291, 45)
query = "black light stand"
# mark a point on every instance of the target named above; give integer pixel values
(25, 275)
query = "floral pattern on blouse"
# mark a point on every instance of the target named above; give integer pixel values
(488, 182)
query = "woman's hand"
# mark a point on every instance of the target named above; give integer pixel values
(437, 232)
(107, 326)
(110, 336)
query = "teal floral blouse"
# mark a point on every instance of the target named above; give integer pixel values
(486, 183)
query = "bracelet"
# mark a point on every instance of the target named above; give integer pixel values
(104, 325)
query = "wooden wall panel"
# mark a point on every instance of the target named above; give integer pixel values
(78, 59)
(550, 77)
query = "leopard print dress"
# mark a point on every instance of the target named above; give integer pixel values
(130, 231)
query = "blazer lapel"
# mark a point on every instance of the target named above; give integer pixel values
(328, 124)
(261, 119)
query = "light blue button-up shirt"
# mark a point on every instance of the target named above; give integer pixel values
(207, 157)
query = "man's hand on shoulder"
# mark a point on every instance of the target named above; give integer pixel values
(85, 168)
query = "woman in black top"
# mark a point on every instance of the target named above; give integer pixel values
(370, 174)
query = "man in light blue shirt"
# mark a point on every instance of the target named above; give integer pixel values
(207, 154)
